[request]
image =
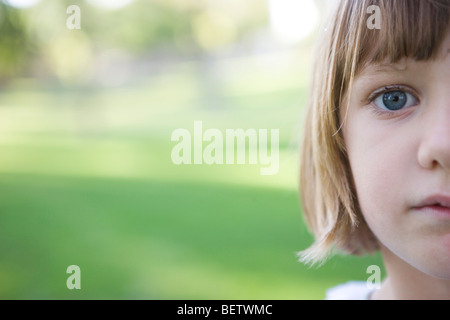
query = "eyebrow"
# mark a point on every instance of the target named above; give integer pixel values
(389, 67)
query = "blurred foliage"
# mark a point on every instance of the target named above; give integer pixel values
(183, 27)
(14, 42)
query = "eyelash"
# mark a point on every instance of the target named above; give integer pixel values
(380, 112)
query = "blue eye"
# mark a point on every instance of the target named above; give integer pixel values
(395, 100)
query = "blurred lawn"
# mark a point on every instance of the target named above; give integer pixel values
(86, 179)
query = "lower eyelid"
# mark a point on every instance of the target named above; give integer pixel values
(385, 114)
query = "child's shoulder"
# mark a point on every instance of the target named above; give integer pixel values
(352, 290)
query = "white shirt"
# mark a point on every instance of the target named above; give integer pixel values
(352, 290)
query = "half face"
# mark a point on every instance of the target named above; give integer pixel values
(397, 134)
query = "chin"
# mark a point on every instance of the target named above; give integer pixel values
(437, 267)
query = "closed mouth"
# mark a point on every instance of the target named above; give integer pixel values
(436, 205)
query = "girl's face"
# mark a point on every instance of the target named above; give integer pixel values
(397, 134)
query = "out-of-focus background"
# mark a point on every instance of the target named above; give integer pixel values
(86, 176)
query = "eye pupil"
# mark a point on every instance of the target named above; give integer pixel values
(394, 100)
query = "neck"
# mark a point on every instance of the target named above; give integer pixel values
(405, 282)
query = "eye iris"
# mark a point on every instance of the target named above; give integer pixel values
(394, 100)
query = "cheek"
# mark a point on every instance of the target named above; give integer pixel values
(380, 162)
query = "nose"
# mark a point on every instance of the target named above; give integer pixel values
(434, 150)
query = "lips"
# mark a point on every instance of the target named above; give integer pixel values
(436, 204)
(436, 200)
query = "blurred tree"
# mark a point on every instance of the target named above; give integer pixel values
(14, 42)
(36, 40)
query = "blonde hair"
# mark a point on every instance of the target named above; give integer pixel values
(409, 28)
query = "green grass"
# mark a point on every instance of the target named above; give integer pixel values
(156, 240)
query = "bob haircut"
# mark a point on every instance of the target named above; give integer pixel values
(409, 29)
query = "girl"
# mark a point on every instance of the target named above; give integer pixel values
(375, 166)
